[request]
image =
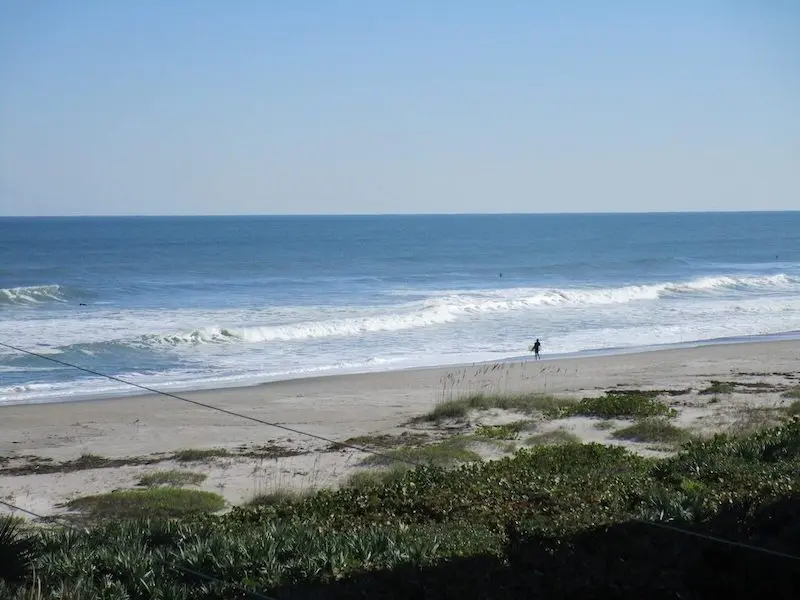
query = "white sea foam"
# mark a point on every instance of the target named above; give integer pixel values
(527, 296)
(780, 281)
(189, 348)
(194, 328)
(35, 294)
(390, 321)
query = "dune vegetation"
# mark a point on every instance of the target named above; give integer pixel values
(556, 520)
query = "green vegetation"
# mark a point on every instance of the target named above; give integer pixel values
(720, 387)
(171, 478)
(377, 477)
(384, 441)
(153, 502)
(524, 403)
(200, 454)
(750, 420)
(615, 406)
(793, 409)
(449, 451)
(280, 496)
(657, 430)
(16, 549)
(509, 431)
(565, 520)
(793, 393)
(558, 519)
(559, 436)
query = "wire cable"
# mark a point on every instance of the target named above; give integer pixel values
(341, 444)
(212, 407)
(718, 540)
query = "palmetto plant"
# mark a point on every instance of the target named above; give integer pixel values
(16, 549)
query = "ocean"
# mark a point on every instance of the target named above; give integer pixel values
(203, 302)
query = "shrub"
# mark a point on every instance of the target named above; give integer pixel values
(616, 406)
(656, 430)
(153, 502)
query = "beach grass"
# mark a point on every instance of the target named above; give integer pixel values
(719, 387)
(615, 406)
(459, 409)
(450, 451)
(653, 430)
(507, 431)
(279, 496)
(794, 393)
(752, 419)
(377, 477)
(558, 436)
(156, 502)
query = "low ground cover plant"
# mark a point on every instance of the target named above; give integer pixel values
(551, 521)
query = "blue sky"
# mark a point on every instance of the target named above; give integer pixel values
(153, 107)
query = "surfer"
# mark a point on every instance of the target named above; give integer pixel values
(535, 348)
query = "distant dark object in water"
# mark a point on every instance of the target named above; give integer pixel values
(82, 304)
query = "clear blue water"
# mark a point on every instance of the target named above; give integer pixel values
(193, 302)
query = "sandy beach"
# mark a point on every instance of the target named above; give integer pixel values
(123, 439)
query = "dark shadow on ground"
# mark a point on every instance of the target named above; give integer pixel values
(628, 560)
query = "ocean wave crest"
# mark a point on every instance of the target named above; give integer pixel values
(728, 282)
(447, 307)
(518, 298)
(34, 294)
(308, 329)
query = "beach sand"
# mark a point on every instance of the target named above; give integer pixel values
(143, 432)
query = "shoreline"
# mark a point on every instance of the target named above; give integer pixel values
(156, 389)
(127, 438)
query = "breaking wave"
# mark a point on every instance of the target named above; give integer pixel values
(520, 298)
(446, 307)
(35, 294)
(309, 329)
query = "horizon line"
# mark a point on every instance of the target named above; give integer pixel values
(389, 214)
